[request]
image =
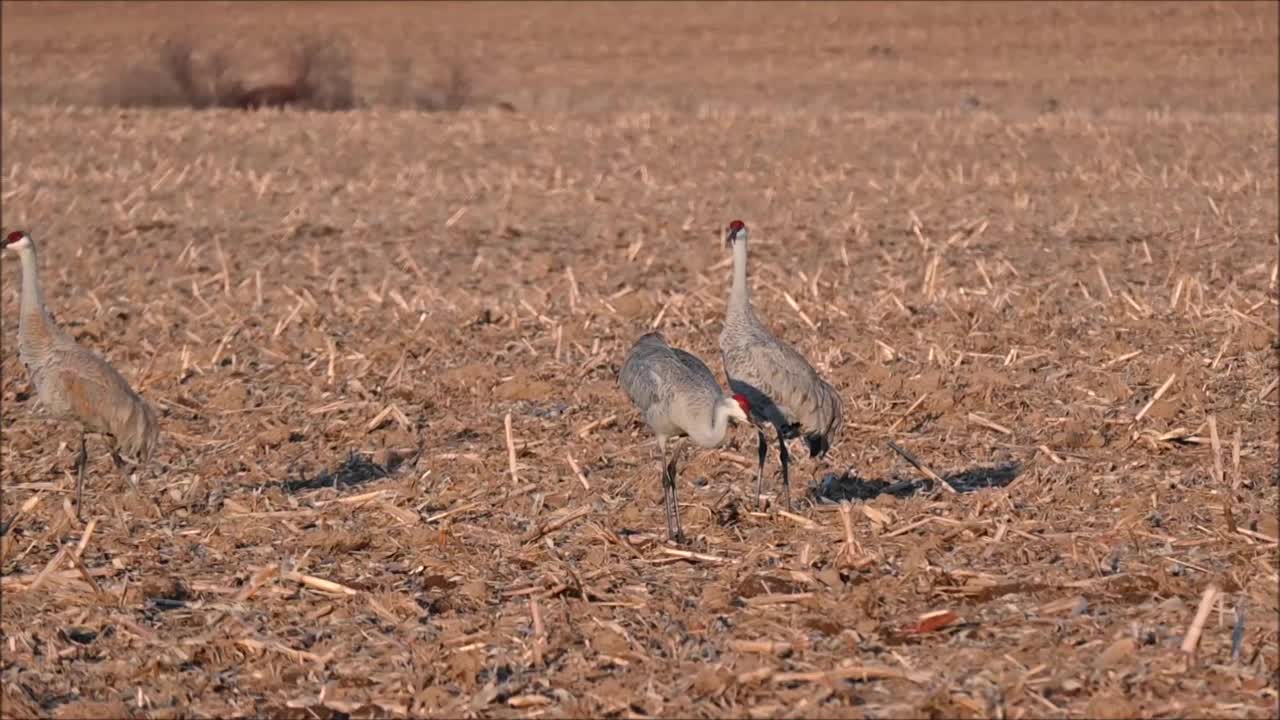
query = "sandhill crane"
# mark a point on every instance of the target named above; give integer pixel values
(782, 388)
(679, 397)
(73, 383)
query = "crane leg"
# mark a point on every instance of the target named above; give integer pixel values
(669, 498)
(786, 478)
(82, 459)
(126, 468)
(762, 454)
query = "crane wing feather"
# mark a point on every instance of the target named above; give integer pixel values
(638, 377)
(783, 385)
(673, 389)
(83, 396)
(696, 367)
(82, 385)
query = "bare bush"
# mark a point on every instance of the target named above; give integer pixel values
(456, 88)
(168, 80)
(328, 77)
(311, 71)
(177, 65)
(451, 89)
(318, 75)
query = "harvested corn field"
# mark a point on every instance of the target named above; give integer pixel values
(1033, 246)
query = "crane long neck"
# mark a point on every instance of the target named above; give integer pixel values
(715, 434)
(32, 293)
(36, 332)
(720, 420)
(740, 295)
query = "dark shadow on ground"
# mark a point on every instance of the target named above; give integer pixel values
(849, 486)
(356, 470)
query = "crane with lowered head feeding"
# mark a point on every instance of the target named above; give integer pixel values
(679, 397)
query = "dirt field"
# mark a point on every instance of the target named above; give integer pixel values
(1034, 245)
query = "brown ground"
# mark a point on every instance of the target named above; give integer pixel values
(998, 229)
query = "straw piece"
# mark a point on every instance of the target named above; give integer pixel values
(1275, 382)
(577, 471)
(259, 579)
(88, 578)
(555, 523)
(317, 583)
(778, 598)
(979, 420)
(49, 568)
(690, 555)
(1154, 398)
(1236, 478)
(800, 519)
(511, 450)
(84, 537)
(1218, 473)
(905, 414)
(1192, 638)
(854, 672)
(919, 466)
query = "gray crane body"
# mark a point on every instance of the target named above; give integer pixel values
(781, 386)
(74, 383)
(678, 396)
